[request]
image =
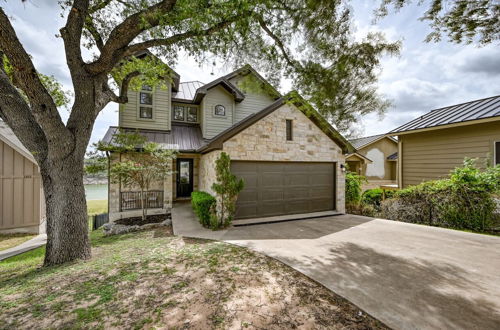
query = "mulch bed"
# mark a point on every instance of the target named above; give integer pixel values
(157, 218)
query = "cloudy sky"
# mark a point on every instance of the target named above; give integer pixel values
(425, 76)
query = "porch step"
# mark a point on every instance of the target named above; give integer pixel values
(282, 218)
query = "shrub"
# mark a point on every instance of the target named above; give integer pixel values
(227, 187)
(203, 205)
(374, 196)
(463, 201)
(353, 183)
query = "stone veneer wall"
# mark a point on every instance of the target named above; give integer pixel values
(207, 171)
(114, 197)
(266, 141)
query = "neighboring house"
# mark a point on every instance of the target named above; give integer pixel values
(434, 144)
(22, 207)
(375, 158)
(290, 158)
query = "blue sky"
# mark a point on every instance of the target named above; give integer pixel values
(425, 76)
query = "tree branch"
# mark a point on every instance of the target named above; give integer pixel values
(278, 42)
(132, 49)
(17, 114)
(24, 73)
(123, 34)
(122, 98)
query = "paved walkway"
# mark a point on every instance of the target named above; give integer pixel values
(408, 276)
(23, 247)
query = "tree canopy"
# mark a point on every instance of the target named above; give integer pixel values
(463, 21)
(308, 41)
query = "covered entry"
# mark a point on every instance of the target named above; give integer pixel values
(280, 188)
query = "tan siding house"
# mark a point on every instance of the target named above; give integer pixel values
(434, 144)
(375, 159)
(22, 206)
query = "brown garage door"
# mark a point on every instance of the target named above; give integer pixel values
(278, 188)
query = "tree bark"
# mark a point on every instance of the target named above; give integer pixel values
(67, 222)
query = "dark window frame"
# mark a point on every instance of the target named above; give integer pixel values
(289, 129)
(174, 112)
(186, 109)
(224, 110)
(146, 90)
(140, 112)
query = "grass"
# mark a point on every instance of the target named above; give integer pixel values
(97, 206)
(152, 279)
(8, 241)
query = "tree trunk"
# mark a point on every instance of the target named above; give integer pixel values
(67, 222)
(142, 206)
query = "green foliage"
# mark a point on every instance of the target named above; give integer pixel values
(227, 187)
(153, 72)
(464, 21)
(374, 196)
(142, 162)
(60, 96)
(353, 184)
(203, 205)
(462, 201)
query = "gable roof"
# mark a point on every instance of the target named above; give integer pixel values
(355, 154)
(460, 114)
(294, 98)
(367, 140)
(230, 87)
(8, 136)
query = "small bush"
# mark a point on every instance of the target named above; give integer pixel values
(353, 183)
(374, 196)
(465, 200)
(203, 204)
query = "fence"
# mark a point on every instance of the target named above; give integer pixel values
(98, 220)
(131, 200)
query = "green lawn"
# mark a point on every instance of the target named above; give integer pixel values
(153, 279)
(97, 207)
(10, 240)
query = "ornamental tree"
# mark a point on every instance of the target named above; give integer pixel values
(310, 42)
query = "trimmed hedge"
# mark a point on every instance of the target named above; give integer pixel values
(465, 200)
(203, 204)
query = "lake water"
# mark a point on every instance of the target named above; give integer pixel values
(96, 191)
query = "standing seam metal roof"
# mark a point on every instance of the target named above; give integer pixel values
(473, 110)
(361, 142)
(187, 90)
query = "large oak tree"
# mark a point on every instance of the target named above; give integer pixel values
(307, 41)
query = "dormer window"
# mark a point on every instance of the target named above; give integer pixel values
(146, 102)
(220, 110)
(185, 113)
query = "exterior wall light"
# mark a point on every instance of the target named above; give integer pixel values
(343, 168)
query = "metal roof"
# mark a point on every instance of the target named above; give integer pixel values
(187, 90)
(459, 113)
(364, 141)
(186, 138)
(8, 136)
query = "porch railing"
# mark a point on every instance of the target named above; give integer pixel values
(131, 200)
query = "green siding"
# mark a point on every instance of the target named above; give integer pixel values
(212, 124)
(129, 117)
(255, 100)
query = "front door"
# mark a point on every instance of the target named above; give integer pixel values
(184, 177)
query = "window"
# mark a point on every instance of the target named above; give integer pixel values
(220, 110)
(497, 153)
(146, 112)
(179, 113)
(289, 130)
(146, 102)
(192, 114)
(185, 113)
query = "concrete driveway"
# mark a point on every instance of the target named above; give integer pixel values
(407, 276)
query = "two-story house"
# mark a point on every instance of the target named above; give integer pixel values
(291, 159)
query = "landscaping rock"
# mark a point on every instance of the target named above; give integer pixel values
(118, 229)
